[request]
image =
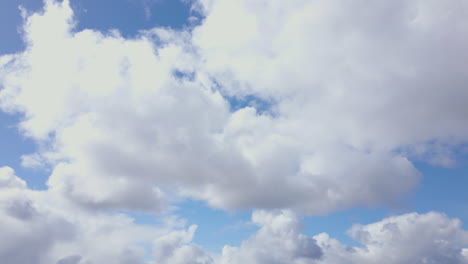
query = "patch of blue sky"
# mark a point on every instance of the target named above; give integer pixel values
(10, 24)
(444, 189)
(443, 153)
(261, 105)
(182, 75)
(131, 16)
(239, 101)
(12, 146)
(216, 228)
(336, 224)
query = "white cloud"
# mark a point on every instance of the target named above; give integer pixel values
(40, 227)
(410, 238)
(8, 179)
(176, 248)
(370, 75)
(352, 91)
(279, 240)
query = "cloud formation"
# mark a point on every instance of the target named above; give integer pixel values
(176, 247)
(349, 95)
(410, 238)
(39, 227)
(279, 240)
(322, 108)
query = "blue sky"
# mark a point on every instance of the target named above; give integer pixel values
(227, 220)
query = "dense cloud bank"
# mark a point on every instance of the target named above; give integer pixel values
(322, 108)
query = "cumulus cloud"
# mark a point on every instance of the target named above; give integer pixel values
(279, 240)
(176, 247)
(40, 227)
(410, 238)
(8, 179)
(350, 93)
(27, 234)
(369, 77)
(288, 106)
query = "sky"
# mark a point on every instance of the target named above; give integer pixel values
(233, 131)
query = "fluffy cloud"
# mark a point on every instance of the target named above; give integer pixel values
(148, 114)
(364, 76)
(176, 247)
(332, 102)
(279, 240)
(410, 238)
(8, 179)
(40, 227)
(23, 227)
(312, 106)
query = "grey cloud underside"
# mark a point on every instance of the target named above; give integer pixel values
(40, 227)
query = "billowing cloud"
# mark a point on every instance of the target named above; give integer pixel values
(40, 227)
(177, 247)
(340, 97)
(43, 228)
(343, 95)
(8, 179)
(26, 233)
(375, 78)
(410, 238)
(279, 240)
(293, 107)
